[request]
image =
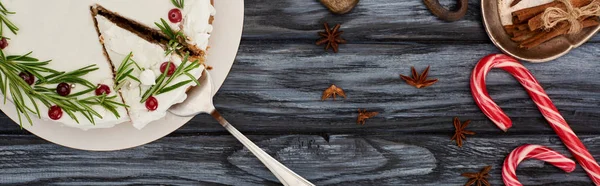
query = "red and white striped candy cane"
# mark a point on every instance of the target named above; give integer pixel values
(536, 152)
(540, 98)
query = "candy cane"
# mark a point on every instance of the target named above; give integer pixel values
(536, 152)
(537, 93)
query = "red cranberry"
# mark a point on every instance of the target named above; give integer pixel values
(102, 89)
(172, 68)
(55, 112)
(63, 89)
(3, 43)
(27, 77)
(151, 103)
(175, 15)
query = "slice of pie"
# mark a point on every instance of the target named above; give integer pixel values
(129, 38)
(161, 71)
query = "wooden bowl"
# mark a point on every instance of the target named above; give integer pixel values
(547, 51)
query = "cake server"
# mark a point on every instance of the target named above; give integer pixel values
(200, 100)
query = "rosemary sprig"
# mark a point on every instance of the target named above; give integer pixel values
(163, 83)
(124, 71)
(5, 21)
(178, 3)
(174, 45)
(22, 93)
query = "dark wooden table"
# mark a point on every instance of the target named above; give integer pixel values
(273, 96)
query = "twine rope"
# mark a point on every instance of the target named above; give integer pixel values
(553, 15)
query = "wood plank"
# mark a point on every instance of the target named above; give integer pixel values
(345, 160)
(372, 21)
(276, 88)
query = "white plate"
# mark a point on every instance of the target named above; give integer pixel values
(224, 45)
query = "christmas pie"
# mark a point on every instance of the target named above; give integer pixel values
(121, 60)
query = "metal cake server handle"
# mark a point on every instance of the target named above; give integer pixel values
(200, 101)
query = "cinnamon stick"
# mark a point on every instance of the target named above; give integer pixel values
(521, 16)
(522, 26)
(512, 29)
(525, 36)
(521, 32)
(561, 29)
(536, 21)
(514, 2)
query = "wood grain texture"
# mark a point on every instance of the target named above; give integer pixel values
(345, 160)
(273, 94)
(276, 88)
(371, 21)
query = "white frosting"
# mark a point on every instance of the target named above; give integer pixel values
(119, 43)
(147, 77)
(67, 35)
(195, 25)
(196, 14)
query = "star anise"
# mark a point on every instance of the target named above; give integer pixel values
(479, 178)
(332, 91)
(460, 132)
(331, 37)
(419, 81)
(363, 115)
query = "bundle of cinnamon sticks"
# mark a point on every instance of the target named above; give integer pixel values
(528, 27)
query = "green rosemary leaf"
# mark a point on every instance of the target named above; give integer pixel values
(176, 73)
(71, 80)
(37, 109)
(58, 78)
(41, 89)
(136, 65)
(70, 113)
(2, 53)
(113, 110)
(167, 28)
(4, 20)
(24, 57)
(19, 114)
(154, 88)
(163, 84)
(94, 97)
(53, 75)
(4, 88)
(193, 78)
(173, 87)
(118, 86)
(37, 75)
(124, 75)
(2, 7)
(88, 116)
(83, 92)
(134, 78)
(18, 99)
(163, 29)
(90, 110)
(124, 71)
(58, 97)
(123, 63)
(116, 103)
(178, 3)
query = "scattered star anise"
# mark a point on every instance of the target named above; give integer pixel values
(332, 91)
(479, 178)
(419, 81)
(459, 131)
(331, 37)
(363, 115)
